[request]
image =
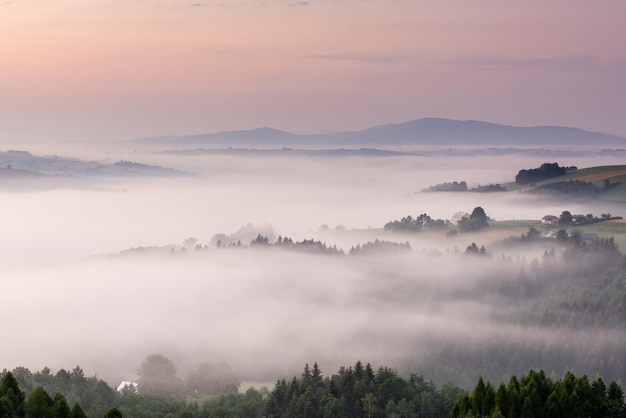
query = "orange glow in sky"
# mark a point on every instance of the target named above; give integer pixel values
(105, 69)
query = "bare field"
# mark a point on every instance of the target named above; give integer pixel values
(602, 176)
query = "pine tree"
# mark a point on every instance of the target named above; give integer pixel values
(78, 411)
(10, 388)
(60, 407)
(39, 404)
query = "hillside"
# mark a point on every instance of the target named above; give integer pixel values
(419, 132)
(615, 175)
(24, 165)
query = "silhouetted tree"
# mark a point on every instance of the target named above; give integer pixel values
(544, 172)
(566, 218)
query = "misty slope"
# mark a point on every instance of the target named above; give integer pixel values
(608, 183)
(29, 166)
(427, 131)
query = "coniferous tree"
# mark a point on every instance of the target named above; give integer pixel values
(78, 411)
(537, 396)
(113, 413)
(60, 407)
(11, 391)
(39, 404)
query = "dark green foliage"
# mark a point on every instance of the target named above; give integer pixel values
(490, 188)
(39, 404)
(250, 405)
(461, 186)
(149, 405)
(6, 408)
(544, 172)
(538, 396)
(113, 413)
(91, 393)
(60, 407)
(571, 187)
(478, 220)
(454, 186)
(378, 246)
(479, 217)
(78, 411)
(11, 396)
(95, 396)
(306, 245)
(566, 218)
(422, 222)
(359, 392)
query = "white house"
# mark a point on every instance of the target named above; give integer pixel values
(458, 217)
(550, 220)
(128, 385)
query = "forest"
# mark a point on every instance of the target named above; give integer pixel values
(355, 391)
(574, 292)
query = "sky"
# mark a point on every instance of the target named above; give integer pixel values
(107, 69)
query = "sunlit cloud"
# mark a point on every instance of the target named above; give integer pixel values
(370, 58)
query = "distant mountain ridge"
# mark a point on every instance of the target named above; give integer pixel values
(419, 132)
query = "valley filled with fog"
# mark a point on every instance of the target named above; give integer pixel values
(104, 271)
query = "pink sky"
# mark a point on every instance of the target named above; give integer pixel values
(118, 69)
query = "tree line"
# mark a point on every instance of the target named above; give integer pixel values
(536, 395)
(359, 391)
(461, 186)
(477, 220)
(355, 391)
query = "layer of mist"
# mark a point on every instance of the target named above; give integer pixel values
(264, 311)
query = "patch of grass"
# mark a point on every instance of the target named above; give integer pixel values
(615, 229)
(616, 194)
(581, 172)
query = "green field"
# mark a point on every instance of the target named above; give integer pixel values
(615, 229)
(615, 194)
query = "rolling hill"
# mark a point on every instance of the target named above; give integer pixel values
(419, 132)
(615, 175)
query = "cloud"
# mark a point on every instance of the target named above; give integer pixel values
(577, 62)
(370, 58)
(203, 305)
